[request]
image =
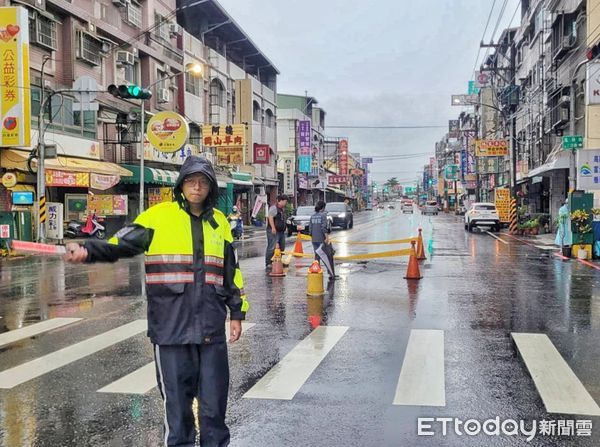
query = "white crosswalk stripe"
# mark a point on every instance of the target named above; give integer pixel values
(286, 378)
(50, 362)
(422, 380)
(558, 386)
(34, 329)
(143, 379)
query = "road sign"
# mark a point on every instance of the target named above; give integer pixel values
(572, 142)
(464, 100)
(451, 172)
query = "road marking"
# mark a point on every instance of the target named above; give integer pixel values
(422, 378)
(546, 247)
(34, 329)
(497, 238)
(42, 365)
(287, 377)
(143, 379)
(558, 386)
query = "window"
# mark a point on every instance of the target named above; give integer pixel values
(42, 30)
(131, 73)
(63, 118)
(256, 112)
(192, 84)
(89, 49)
(161, 27)
(269, 121)
(134, 14)
(163, 79)
(217, 93)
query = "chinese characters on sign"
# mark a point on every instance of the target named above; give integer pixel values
(159, 195)
(304, 151)
(337, 179)
(15, 114)
(107, 205)
(229, 140)
(453, 128)
(54, 223)
(67, 179)
(167, 131)
(588, 169)
(103, 181)
(288, 177)
(262, 153)
(230, 156)
(343, 148)
(503, 204)
(491, 148)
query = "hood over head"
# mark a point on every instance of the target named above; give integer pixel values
(194, 165)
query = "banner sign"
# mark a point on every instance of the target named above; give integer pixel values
(491, 148)
(356, 172)
(261, 200)
(231, 135)
(464, 100)
(343, 148)
(337, 179)
(367, 160)
(15, 103)
(503, 204)
(262, 153)
(167, 131)
(230, 156)
(304, 138)
(304, 163)
(107, 205)
(67, 179)
(453, 128)
(159, 195)
(588, 169)
(103, 181)
(54, 223)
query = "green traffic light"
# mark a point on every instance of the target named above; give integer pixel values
(134, 91)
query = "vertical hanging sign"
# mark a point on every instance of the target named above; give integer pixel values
(304, 152)
(15, 113)
(343, 157)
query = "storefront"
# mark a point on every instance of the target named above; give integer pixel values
(243, 194)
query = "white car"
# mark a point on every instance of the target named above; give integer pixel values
(407, 206)
(484, 214)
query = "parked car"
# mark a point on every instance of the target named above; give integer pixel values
(341, 214)
(390, 206)
(484, 214)
(430, 207)
(407, 206)
(301, 218)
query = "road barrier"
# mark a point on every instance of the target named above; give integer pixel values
(277, 265)
(420, 249)
(413, 272)
(408, 240)
(314, 280)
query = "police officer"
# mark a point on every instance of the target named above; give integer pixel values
(192, 277)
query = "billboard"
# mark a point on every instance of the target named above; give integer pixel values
(343, 157)
(15, 114)
(491, 148)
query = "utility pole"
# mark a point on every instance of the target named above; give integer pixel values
(41, 173)
(573, 167)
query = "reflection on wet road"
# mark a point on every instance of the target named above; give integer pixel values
(357, 366)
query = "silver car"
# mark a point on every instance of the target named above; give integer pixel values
(430, 207)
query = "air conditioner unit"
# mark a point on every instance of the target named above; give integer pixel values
(135, 52)
(91, 27)
(125, 58)
(167, 69)
(119, 3)
(566, 99)
(564, 114)
(163, 95)
(174, 29)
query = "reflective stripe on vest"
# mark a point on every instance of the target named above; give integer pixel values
(213, 278)
(214, 260)
(169, 259)
(163, 278)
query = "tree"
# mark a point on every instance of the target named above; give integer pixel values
(392, 182)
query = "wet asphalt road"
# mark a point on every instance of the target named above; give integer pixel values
(476, 289)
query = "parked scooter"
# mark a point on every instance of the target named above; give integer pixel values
(235, 223)
(92, 228)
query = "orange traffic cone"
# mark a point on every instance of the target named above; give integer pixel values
(277, 266)
(420, 248)
(413, 271)
(297, 251)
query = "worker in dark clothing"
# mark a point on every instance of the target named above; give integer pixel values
(319, 230)
(192, 277)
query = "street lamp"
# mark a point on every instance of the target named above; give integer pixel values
(135, 92)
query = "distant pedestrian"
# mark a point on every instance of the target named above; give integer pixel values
(319, 230)
(192, 277)
(276, 226)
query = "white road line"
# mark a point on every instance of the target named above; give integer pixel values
(558, 386)
(421, 380)
(547, 247)
(287, 377)
(497, 238)
(143, 379)
(42, 365)
(34, 329)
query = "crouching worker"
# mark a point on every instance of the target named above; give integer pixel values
(192, 277)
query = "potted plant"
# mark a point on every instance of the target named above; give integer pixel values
(259, 219)
(534, 225)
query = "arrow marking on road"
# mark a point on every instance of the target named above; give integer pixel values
(558, 386)
(143, 379)
(497, 238)
(422, 378)
(286, 378)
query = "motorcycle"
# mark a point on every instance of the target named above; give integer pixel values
(92, 228)
(237, 227)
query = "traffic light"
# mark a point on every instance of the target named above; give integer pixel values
(129, 92)
(593, 52)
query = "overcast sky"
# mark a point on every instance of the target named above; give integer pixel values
(371, 63)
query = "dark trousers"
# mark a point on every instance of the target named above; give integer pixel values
(316, 245)
(272, 240)
(187, 371)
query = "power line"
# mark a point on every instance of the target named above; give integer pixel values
(483, 37)
(388, 127)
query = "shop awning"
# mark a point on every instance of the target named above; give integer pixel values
(21, 187)
(15, 159)
(242, 182)
(152, 175)
(337, 191)
(560, 160)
